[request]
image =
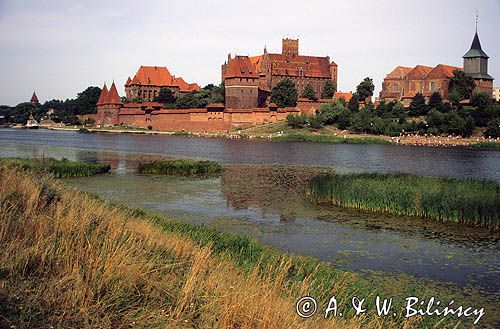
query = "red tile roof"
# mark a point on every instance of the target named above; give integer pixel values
(399, 72)
(346, 96)
(161, 77)
(241, 67)
(308, 66)
(418, 72)
(113, 97)
(129, 81)
(103, 96)
(442, 71)
(194, 86)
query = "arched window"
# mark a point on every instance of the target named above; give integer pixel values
(395, 87)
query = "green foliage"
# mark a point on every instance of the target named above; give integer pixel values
(309, 92)
(365, 88)
(180, 167)
(165, 96)
(217, 93)
(493, 129)
(59, 168)
(417, 105)
(353, 104)
(284, 94)
(465, 201)
(315, 122)
(85, 102)
(435, 102)
(329, 139)
(487, 145)
(462, 84)
(450, 123)
(331, 112)
(296, 121)
(329, 89)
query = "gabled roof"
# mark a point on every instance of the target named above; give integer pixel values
(153, 76)
(256, 62)
(418, 72)
(113, 97)
(194, 86)
(308, 66)
(103, 96)
(129, 81)
(34, 98)
(475, 49)
(442, 71)
(399, 72)
(241, 67)
(183, 86)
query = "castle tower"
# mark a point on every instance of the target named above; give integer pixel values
(34, 99)
(290, 47)
(476, 66)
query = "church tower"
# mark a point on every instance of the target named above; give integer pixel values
(476, 66)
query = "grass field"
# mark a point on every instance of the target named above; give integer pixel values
(487, 145)
(465, 201)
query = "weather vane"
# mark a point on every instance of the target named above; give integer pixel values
(477, 18)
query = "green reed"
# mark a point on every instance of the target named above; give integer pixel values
(329, 139)
(180, 167)
(59, 168)
(466, 201)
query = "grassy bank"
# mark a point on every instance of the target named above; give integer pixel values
(179, 167)
(465, 201)
(329, 139)
(59, 168)
(487, 145)
(72, 260)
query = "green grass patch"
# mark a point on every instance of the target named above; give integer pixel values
(329, 139)
(182, 133)
(466, 201)
(180, 167)
(487, 145)
(59, 168)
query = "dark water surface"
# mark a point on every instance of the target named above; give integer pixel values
(248, 201)
(458, 162)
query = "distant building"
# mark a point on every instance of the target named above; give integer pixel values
(496, 93)
(149, 80)
(260, 74)
(404, 82)
(34, 99)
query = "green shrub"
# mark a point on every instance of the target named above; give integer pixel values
(180, 167)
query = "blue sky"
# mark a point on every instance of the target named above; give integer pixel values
(59, 48)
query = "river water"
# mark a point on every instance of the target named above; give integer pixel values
(248, 199)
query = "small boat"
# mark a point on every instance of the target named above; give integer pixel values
(32, 123)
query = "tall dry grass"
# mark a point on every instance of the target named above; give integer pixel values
(70, 260)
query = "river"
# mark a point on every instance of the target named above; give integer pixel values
(246, 198)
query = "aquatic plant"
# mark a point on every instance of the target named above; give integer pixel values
(466, 201)
(329, 139)
(487, 145)
(59, 168)
(179, 167)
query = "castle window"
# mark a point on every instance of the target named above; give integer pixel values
(432, 86)
(395, 87)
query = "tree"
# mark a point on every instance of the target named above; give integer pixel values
(435, 101)
(296, 121)
(353, 104)
(329, 89)
(365, 89)
(493, 129)
(331, 112)
(284, 94)
(481, 100)
(417, 105)
(315, 122)
(309, 92)
(463, 84)
(86, 100)
(165, 96)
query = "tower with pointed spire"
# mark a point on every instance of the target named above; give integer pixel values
(476, 66)
(34, 99)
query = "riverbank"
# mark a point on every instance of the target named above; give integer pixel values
(280, 131)
(81, 261)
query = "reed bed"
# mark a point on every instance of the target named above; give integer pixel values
(59, 168)
(179, 167)
(329, 139)
(487, 145)
(466, 201)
